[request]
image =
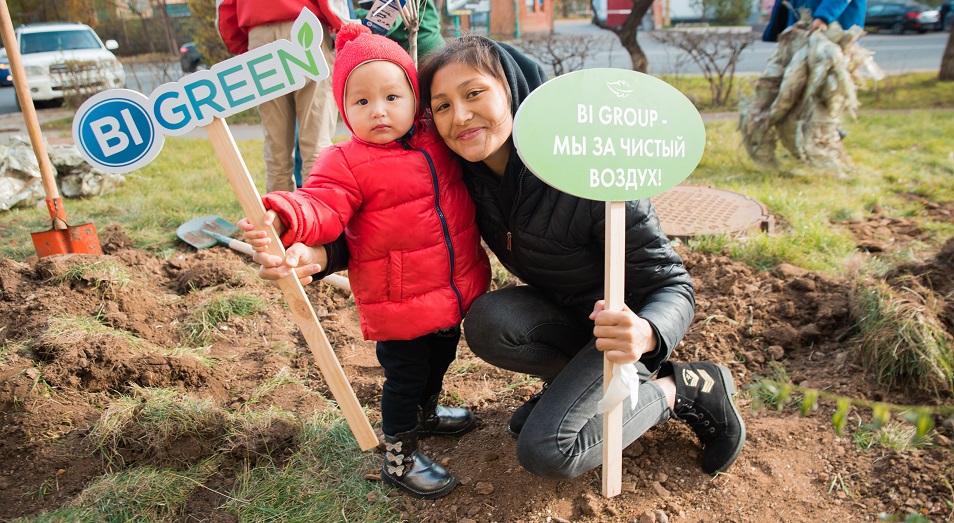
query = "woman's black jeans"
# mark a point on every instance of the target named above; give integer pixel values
(520, 329)
(413, 371)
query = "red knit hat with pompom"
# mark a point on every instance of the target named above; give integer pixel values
(356, 45)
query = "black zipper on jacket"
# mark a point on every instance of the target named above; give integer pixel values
(513, 210)
(440, 215)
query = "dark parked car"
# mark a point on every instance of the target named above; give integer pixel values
(191, 59)
(900, 17)
(5, 78)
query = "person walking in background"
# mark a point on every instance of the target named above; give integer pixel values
(848, 13)
(416, 263)
(247, 24)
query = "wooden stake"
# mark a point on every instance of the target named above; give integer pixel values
(294, 293)
(615, 272)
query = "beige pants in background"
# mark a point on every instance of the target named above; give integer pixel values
(313, 106)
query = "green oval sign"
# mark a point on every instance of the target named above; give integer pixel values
(609, 134)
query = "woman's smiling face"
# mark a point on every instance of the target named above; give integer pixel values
(471, 111)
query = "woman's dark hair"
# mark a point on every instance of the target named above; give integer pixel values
(475, 51)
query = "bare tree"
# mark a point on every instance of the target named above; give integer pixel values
(160, 5)
(628, 31)
(947, 61)
(715, 51)
(562, 53)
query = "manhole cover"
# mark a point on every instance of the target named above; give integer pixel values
(690, 210)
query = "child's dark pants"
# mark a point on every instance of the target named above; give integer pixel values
(414, 371)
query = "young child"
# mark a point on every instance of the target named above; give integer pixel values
(416, 263)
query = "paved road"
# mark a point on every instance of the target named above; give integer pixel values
(894, 53)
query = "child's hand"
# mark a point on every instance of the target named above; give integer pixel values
(305, 261)
(622, 336)
(258, 238)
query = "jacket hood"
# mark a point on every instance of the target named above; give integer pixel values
(523, 74)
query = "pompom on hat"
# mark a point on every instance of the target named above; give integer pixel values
(356, 45)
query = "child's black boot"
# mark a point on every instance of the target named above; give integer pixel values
(434, 420)
(410, 470)
(704, 401)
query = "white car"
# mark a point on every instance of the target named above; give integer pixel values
(47, 47)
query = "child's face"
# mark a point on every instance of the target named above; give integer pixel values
(379, 102)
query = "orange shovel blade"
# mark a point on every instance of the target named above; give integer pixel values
(75, 239)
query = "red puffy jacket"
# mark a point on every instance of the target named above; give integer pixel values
(416, 260)
(235, 18)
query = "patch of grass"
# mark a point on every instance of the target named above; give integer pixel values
(67, 330)
(697, 89)
(271, 384)
(202, 323)
(321, 481)
(150, 418)
(254, 432)
(710, 243)
(60, 124)
(246, 117)
(199, 353)
(894, 156)
(902, 341)
(897, 437)
(464, 368)
(11, 347)
(774, 393)
(185, 181)
(106, 274)
(141, 494)
(907, 91)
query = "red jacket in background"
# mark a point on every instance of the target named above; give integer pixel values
(416, 262)
(235, 18)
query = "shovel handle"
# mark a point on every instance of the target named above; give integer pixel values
(29, 112)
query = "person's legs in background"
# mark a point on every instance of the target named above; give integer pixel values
(278, 119)
(316, 112)
(298, 179)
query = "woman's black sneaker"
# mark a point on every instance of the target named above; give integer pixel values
(704, 401)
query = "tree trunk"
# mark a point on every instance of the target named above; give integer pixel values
(628, 31)
(947, 61)
(167, 27)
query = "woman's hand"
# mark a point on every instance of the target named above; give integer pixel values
(622, 336)
(301, 259)
(258, 238)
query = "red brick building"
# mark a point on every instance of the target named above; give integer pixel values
(518, 18)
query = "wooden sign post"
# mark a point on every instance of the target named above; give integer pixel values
(610, 135)
(120, 130)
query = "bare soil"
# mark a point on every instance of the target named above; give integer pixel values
(53, 387)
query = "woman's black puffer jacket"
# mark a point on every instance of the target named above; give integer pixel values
(555, 241)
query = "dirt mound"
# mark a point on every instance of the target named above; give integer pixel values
(80, 332)
(112, 362)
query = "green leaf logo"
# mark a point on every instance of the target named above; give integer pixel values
(306, 35)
